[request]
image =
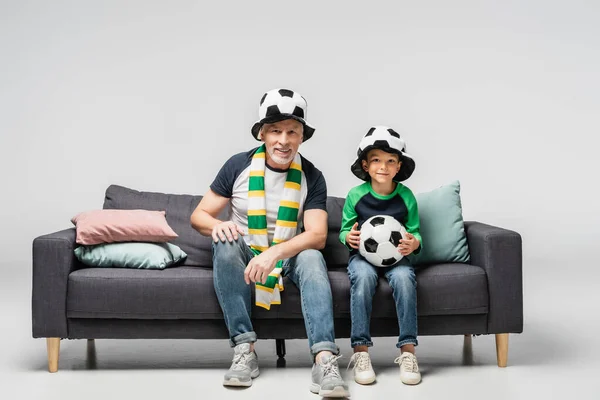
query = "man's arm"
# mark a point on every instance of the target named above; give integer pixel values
(313, 237)
(204, 219)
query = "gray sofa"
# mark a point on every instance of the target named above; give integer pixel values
(72, 301)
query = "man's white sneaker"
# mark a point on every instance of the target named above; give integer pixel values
(244, 367)
(363, 370)
(326, 378)
(409, 368)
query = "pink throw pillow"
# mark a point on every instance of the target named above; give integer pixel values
(109, 226)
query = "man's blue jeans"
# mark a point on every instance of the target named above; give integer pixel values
(363, 281)
(308, 272)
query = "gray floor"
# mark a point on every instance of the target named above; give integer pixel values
(556, 357)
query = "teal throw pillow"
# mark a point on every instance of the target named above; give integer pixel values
(442, 226)
(130, 255)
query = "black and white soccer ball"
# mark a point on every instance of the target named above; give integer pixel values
(379, 238)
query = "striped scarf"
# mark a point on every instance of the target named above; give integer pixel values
(285, 227)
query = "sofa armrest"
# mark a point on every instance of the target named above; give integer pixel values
(499, 252)
(53, 261)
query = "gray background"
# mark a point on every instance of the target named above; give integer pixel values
(503, 96)
(157, 95)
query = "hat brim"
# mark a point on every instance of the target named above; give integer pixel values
(406, 170)
(307, 133)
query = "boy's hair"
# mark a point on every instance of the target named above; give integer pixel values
(384, 149)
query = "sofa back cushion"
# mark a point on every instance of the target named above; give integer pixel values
(178, 207)
(335, 253)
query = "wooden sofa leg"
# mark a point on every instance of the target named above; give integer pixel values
(502, 349)
(53, 347)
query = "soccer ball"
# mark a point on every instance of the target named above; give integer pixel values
(379, 238)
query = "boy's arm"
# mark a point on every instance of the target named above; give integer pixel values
(349, 217)
(412, 223)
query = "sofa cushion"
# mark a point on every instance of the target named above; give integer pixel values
(335, 253)
(442, 227)
(110, 226)
(179, 292)
(179, 208)
(188, 293)
(130, 255)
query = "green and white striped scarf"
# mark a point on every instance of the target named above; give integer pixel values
(285, 227)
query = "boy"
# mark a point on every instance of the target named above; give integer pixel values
(382, 163)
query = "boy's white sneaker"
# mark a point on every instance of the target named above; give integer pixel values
(409, 368)
(363, 370)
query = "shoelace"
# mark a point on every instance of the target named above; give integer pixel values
(330, 368)
(361, 362)
(240, 361)
(407, 362)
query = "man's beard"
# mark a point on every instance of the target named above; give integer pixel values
(281, 160)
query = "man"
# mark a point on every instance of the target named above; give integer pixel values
(278, 222)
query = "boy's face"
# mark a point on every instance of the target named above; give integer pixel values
(382, 167)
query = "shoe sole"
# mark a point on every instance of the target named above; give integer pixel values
(237, 383)
(336, 392)
(366, 381)
(413, 381)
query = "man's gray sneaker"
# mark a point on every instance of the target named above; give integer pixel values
(243, 368)
(326, 379)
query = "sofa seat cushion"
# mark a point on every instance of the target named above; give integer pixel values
(172, 293)
(188, 293)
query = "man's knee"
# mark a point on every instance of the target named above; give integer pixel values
(311, 264)
(229, 253)
(311, 259)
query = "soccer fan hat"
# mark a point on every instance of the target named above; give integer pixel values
(388, 140)
(281, 104)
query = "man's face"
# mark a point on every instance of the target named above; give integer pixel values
(282, 140)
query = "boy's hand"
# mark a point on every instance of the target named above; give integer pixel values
(353, 237)
(408, 245)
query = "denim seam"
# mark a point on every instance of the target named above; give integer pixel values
(308, 322)
(367, 343)
(407, 341)
(216, 276)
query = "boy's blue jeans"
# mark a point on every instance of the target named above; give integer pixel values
(363, 281)
(308, 272)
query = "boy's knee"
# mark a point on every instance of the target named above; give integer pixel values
(364, 277)
(404, 276)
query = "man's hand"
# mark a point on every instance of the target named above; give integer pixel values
(353, 237)
(260, 266)
(226, 229)
(408, 245)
